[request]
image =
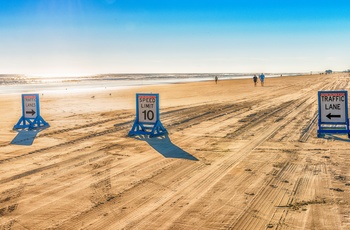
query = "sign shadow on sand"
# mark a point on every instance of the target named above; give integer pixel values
(25, 136)
(164, 146)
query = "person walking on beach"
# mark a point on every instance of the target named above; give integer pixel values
(255, 79)
(262, 79)
(216, 79)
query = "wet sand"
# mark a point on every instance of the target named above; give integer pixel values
(236, 157)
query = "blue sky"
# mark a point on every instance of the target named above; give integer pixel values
(59, 37)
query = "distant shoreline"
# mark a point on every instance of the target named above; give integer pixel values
(12, 84)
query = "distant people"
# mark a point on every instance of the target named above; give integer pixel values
(216, 79)
(262, 79)
(255, 79)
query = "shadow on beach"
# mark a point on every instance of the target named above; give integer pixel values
(164, 146)
(25, 136)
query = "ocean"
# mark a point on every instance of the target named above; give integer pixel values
(19, 84)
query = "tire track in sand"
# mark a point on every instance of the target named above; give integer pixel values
(199, 183)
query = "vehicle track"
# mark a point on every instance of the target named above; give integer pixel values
(203, 181)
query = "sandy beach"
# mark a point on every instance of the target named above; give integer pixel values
(236, 157)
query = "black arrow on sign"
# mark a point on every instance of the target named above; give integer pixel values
(30, 112)
(335, 116)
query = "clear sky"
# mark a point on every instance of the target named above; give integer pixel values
(173, 36)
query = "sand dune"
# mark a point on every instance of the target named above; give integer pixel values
(236, 157)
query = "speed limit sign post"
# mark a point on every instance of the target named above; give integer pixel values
(147, 120)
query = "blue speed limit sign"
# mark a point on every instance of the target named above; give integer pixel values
(147, 116)
(148, 108)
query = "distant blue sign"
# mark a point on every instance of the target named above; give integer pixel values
(333, 112)
(31, 118)
(147, 120)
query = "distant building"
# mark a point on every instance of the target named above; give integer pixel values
(328, 71)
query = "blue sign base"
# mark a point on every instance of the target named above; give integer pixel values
(31, 123)
(333, 129)
(153, 130)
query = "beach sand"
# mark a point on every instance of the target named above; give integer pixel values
(236, 157)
